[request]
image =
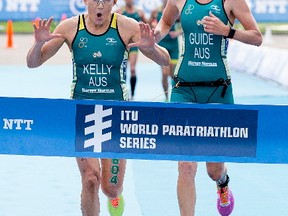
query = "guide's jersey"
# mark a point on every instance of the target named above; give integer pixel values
(204, 54)
(99, 64)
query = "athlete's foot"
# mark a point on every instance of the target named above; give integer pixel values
(225, 201)
(116, 206)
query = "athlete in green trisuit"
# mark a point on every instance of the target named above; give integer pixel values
(202, 75)
(99, 41)
(131, 11)
(171, 43)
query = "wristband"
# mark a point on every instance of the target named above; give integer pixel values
(231, 33)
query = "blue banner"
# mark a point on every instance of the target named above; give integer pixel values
(185, 131)
(269, 10)
(142, 130)
(263, 10)
(31, 9)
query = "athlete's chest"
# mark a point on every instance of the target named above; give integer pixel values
(193, 12)
(106, 49)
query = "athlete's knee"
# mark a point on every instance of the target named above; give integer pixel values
(112, 191)
(90, 177)
(187, 168)
(91, 181)
(216, 170)
(133, 71)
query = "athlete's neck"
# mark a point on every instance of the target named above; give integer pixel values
(204, 1)
(98, 28)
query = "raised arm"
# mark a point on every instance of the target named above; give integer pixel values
(145, 40)
(170, 15)
(45, 45)
(251, 33)
(235, 9)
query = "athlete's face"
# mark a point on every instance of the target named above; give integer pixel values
(129, 2)
(99, 10)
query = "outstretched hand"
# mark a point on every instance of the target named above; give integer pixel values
(146, 37)
(42, 30)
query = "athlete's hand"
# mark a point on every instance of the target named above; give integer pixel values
(42, 30)
(146, 37)
(214, 25)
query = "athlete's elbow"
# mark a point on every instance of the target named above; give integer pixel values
(166, 61)
(31, 64)
(166, 58)
(259, 41)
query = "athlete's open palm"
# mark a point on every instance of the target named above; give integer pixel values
(42, 30)
(146, 37)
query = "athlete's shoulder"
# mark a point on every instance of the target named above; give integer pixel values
(68, 24)
(68, 28)
(128, 28)
(129, 25)
(73, 20)
(234, 4)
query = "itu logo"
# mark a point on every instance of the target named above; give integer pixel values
(93, 127)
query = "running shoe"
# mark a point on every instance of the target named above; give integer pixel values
(225, 201)
(116, 206)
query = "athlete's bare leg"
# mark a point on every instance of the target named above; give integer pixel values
(113, 172)
(216, 171)
(90, 175)
(186, 190)
(111, 181)
(132, 61)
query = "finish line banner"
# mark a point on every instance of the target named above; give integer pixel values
(143, 130)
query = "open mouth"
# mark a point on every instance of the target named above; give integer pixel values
(99, 15)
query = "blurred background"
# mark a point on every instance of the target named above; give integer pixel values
(50, 186)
